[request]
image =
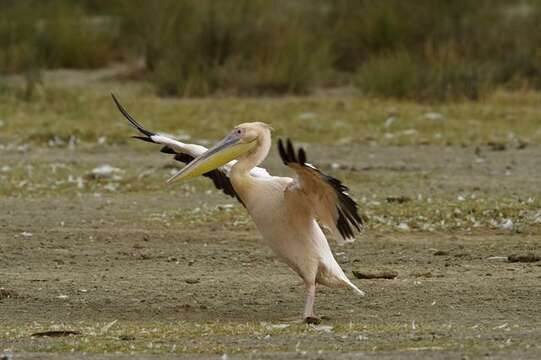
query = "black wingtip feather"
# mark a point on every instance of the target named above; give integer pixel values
(130, 118)
(183, 158)
(302, 156)
(282, 152)
(167, 150)
(291, 152)
(144, 138)
(348, 217)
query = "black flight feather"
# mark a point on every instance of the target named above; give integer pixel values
(348, 216)
(131, 119)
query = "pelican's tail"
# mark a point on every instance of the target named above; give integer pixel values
(353, 287)
(332, 275)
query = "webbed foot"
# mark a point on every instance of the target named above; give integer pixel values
(314, 320)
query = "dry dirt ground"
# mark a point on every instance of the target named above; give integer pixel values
(135, 271)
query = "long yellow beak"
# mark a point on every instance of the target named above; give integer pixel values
(220, 154)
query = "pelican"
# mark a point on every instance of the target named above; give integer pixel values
(285, 210)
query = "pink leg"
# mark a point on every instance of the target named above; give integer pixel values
(309, 316)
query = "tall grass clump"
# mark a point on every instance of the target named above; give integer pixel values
(363, 29)
(70, 38)
(435, 50)
(403, 75)
(38, 35)
(239, 47)
(393, 75)
(17, 49)
(53, 34)
(19, 52)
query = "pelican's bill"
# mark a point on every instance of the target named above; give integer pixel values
(226, 150)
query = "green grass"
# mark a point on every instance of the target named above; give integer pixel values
(231, 338)
(88, 113)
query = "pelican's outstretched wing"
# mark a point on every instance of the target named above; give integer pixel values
(326, 196)
(187, 152)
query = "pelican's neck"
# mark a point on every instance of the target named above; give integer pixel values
(247, 162)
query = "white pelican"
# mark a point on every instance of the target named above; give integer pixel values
(284, 210)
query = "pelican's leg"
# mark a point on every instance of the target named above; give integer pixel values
(309, 316)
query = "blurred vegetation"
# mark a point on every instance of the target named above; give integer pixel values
(403, 75)
(243, 46)
(424, 50)
(54, 34)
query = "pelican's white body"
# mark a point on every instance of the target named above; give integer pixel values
(288, 228)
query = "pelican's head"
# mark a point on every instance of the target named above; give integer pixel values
(244, 139)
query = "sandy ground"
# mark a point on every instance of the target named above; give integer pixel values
(95, 259)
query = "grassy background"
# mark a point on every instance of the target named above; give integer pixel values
(220, 338)
(422, 50)
(87, 114)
